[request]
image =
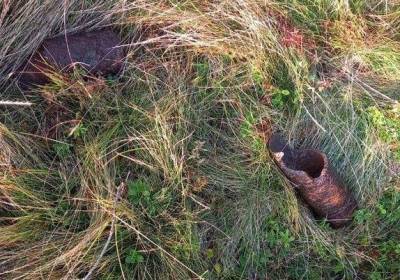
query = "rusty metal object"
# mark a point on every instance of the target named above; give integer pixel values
(310, 172)
(98, 52)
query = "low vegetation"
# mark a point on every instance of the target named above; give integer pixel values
(162, 172)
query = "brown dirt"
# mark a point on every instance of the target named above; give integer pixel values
(97, 52)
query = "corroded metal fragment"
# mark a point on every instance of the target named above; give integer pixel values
(98, 52)
(310, 172)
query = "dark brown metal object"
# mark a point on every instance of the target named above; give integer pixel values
(310, 172)
(98, 52)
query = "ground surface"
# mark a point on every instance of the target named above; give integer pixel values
(162, 172)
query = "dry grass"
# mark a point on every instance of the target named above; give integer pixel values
(162, 173)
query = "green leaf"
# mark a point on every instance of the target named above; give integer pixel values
(218, 268)
(134, 257)
(62, 149)
(362, 216)
(339, 267)
(80, 131)
(285, 92)
(137, 190)
(210, 253)
(381, 209)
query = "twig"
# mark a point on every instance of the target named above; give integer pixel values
(118, 196)
(14, 103)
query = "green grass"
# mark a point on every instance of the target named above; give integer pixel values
(163, 172)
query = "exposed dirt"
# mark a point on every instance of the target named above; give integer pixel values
(98, 52)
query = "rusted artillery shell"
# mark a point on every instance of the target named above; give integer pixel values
(98, 52)
(316, 182)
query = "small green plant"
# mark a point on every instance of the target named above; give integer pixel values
(62, 149)
(247, 126)
(282, 98)
(257, 76)
(363, 216)
(210, 254)
(134, 257)
(384, 216)
(387, 124)
(202, 70)
(376, 275)
(249, 133)
(286, 239)
(279, 236)
(138, 191)
(218, 268)
(79, 131)
(140, 195)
